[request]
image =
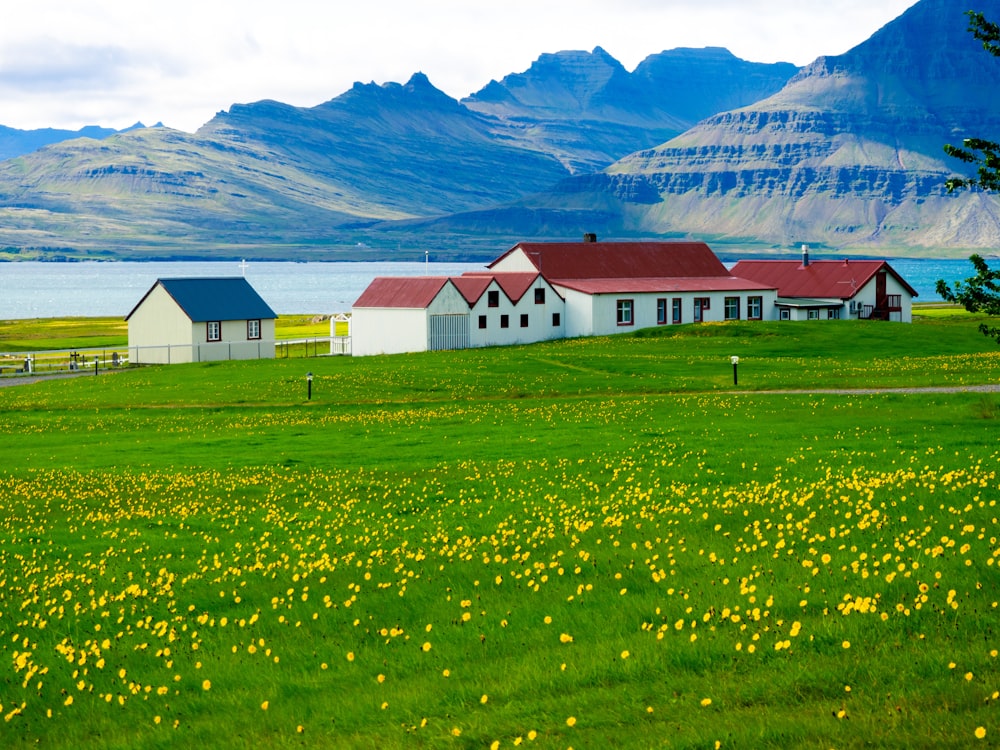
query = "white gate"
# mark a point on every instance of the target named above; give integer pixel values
(448, 332)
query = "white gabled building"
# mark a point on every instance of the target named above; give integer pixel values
(200, 319)
(612, 287)
(425, 313)
(833, 289)
(544, 290)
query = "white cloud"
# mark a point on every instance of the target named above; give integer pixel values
(111, 62)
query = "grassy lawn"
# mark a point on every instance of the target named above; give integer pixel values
(586, 543)
(82, 333)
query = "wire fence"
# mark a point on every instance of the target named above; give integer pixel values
(61, 361)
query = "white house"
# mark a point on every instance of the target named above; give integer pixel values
(544, 290)
(423, 313)
(200, 319)
(833, 289)
(612, 287)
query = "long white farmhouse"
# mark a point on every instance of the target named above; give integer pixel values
(546, 290)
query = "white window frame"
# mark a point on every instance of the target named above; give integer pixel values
(625, 312)
(213, 330)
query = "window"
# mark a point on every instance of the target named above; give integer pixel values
(540, 296)
(813, 313)
(556, 319)
(624, 312)
(505, 321)
(676, 303)
(482, 321)
(493, 299)
(661, 311)
(253, 329)
(833, 313)
(524, 320)
(785, 314)
(732, 308)
(214, 330)
(755, 308)
(700, 305)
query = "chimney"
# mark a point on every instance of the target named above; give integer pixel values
(590, 237)
(805, 256)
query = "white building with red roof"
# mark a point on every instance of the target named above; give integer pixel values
(540, 291)
(833, 289)
(613, 287)
(547, 290)
(426, 313)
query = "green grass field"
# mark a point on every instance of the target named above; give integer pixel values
(586, 543)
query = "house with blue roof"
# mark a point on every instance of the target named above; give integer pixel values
(200, 320)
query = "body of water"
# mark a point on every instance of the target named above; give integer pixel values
(55, 290)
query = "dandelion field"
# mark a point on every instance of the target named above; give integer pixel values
(587, 543)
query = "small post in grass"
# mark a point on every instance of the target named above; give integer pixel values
(735, 360)
(309, 386)
(96, 360)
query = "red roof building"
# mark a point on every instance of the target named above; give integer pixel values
(833, 288)
(544, 290)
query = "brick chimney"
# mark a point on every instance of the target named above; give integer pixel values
(590, 237)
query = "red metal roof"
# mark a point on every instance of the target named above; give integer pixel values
(513, 284)
(664, 285)
(619, 260)
(841, 279)
(417, 292)
(404, 291)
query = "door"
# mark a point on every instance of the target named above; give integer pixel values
(448, 332)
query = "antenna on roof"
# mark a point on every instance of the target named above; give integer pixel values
(427, 262)
(243, 267)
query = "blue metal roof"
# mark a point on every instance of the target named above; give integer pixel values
(204, 299)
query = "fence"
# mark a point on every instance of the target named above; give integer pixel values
(61, 361)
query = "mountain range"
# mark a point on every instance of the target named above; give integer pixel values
(844, 154)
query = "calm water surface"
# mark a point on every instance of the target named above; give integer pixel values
(52, 290)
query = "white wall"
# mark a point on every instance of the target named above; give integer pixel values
(388, 330)
(597, 315)
(158, 331)
(517, 261)
(539, 326)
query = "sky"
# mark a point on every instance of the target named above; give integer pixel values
(71, 63)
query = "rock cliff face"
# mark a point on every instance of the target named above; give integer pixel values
(586, 107)
(848, 154)
(268, 174)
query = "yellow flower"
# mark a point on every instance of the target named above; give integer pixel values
(264, 705)
(350, 656)
(846, 644)
(484, 698)
(381, 678)
(427, 647)
(565, 638)
(571, 721)
(980, 732)
(456, 731)
(625, 654)
(206, 685)
(706, 701)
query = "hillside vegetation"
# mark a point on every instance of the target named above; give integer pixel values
(588, 543)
